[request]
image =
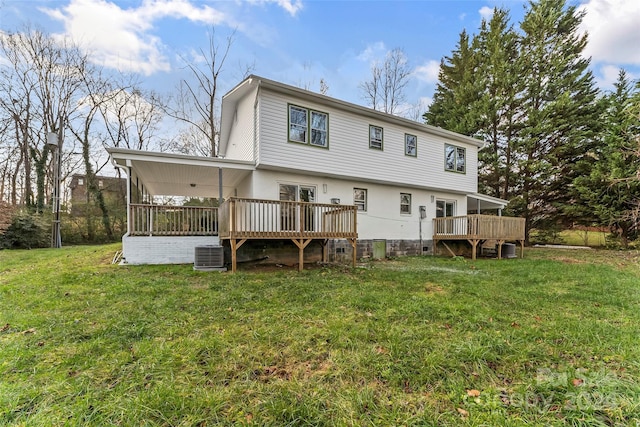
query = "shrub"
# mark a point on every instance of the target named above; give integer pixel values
(26, 231)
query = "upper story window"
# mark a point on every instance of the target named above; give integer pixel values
(410, 145)
(375, 137)
(454, 158)
(405, 203)
(360, 198)
(308, 126)
(80, 181)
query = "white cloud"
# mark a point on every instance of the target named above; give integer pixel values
(612, 26)
(607, 75)
(428, 72)
(425, 101)
(486, 12)
(121, 37)
(291, 6)
(372, 52)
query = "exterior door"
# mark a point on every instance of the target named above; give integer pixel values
(288, 220)
(289, 211)
(445, 209)
(307, 194)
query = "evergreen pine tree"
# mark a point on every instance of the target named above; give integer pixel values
(609, 194)
(559, 110)
(457, 91)
(497, 55)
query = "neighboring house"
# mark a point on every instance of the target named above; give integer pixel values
(113, 190)
(300, 166)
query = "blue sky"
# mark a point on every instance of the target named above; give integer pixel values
(300, 42)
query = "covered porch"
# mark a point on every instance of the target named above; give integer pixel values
(159, 224)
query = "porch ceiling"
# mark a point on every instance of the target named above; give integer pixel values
(164, 174)
(486, 202)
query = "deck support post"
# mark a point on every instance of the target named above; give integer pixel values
(500, 243)
(354, 252)
(301, 244)
(325, 250)
(474, 247)
(521, 248)
(235, 244)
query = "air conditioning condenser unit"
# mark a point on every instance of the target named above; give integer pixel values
(209, 258)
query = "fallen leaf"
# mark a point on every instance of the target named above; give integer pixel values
(29, 331)
(5, 328)
(577, 382)
(463, 412)
(381, 350)
(473, 393)
(249, 418)
(515, 325)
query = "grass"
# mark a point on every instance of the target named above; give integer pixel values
(548, 340)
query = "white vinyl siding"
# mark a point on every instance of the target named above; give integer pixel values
(349, 155)
(241, 136)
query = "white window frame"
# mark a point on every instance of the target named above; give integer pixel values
(446, 203)
(360, 202)
(319, 131)
(410, 145)
(376, 142)
(309, 130)
(405, 203)
(459, 162)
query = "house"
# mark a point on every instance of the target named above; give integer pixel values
(319, 172)
(113, 190)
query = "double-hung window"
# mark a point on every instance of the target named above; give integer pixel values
(405, 203)
(360, 198)
(308, 126)
(375, 137)
(454, 158)
(410, 145)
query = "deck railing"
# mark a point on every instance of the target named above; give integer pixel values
(484, 227)
(273, 219)
(164, 220)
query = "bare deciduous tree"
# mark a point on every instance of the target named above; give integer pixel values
(197, 102)
(39, 85)
(385, 91)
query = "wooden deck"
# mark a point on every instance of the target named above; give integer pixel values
(241, 219)
(164, 220)
(477, 229)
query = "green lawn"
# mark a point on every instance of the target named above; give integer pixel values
(553, 339)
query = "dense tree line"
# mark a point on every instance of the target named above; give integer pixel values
(559, 150)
